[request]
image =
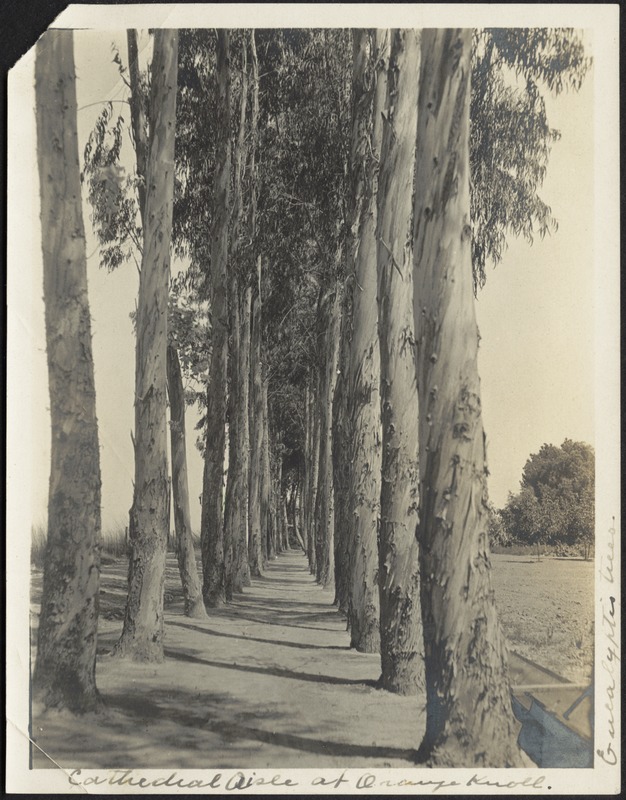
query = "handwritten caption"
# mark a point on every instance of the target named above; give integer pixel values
(242, 781)
(610, 650)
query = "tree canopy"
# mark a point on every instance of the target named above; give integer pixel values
(556, 502)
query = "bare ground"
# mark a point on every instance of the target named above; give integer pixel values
(270, 680)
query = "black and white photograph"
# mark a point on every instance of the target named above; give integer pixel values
(313, 480)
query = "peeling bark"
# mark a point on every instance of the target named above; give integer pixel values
(362, 385)
(470, 721)
(64, 674)
(402, 648)
(142, 635)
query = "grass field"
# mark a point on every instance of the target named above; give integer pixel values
(546, 609)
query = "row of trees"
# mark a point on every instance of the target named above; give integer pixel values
(337, 209)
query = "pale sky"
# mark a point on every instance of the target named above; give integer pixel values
(536, 313)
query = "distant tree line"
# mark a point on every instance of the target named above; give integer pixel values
(556, 502)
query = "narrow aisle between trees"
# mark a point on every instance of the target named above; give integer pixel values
(269, 679)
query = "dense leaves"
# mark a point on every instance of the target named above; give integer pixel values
(556, 502)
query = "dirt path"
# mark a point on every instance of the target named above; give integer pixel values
(268, 681)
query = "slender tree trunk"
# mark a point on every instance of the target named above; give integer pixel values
(212, 522)
(315, 427)
(236, 492)
(402, 648)
(294, 511)
(363, 403)
(234, 476)
(242, 577)
(306, 469)
(142, 635)
(255, 521)
(64, 674)
(470, 721)
(179, 485)
(279, 506)
(255, 545)
(324, 509)
(185, 552)
(341, 467)
(267, 516)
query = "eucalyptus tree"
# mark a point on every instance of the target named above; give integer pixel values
(117, 202)
(64, 674)
(142, 634)
(214, 549)
(469, 719)
(362, 371)
(402, 648)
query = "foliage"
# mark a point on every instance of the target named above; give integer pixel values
(555, 504)
(499, 536)
(510, 137)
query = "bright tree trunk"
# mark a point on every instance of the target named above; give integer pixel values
(142, 635)
(212, 521)
(64, 674)
(234, 476)
(363, 403)
(402, 647)
(185, 552)
(470, 721)
(324, 507)
(236, 509)
(179, 485)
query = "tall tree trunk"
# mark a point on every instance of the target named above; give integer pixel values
(142, 635)
(212, 521)
(242, 566)
(306, 469)
(179, 485)
(255, 401)
(314, 473)
(324, 508)
(267, 515)
(65, 666)
(185, 552)
(341, 467)
(279, 504)
(363, 403)
(402, 647)
(470, 721)
(236, 493)
(255, 524)
(234, 475)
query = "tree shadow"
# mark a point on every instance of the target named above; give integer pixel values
(173, 708)
(298, 645)
(274, 671)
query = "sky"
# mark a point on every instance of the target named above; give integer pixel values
(535, 314)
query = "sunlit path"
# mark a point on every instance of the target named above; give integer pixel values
(268, 680)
